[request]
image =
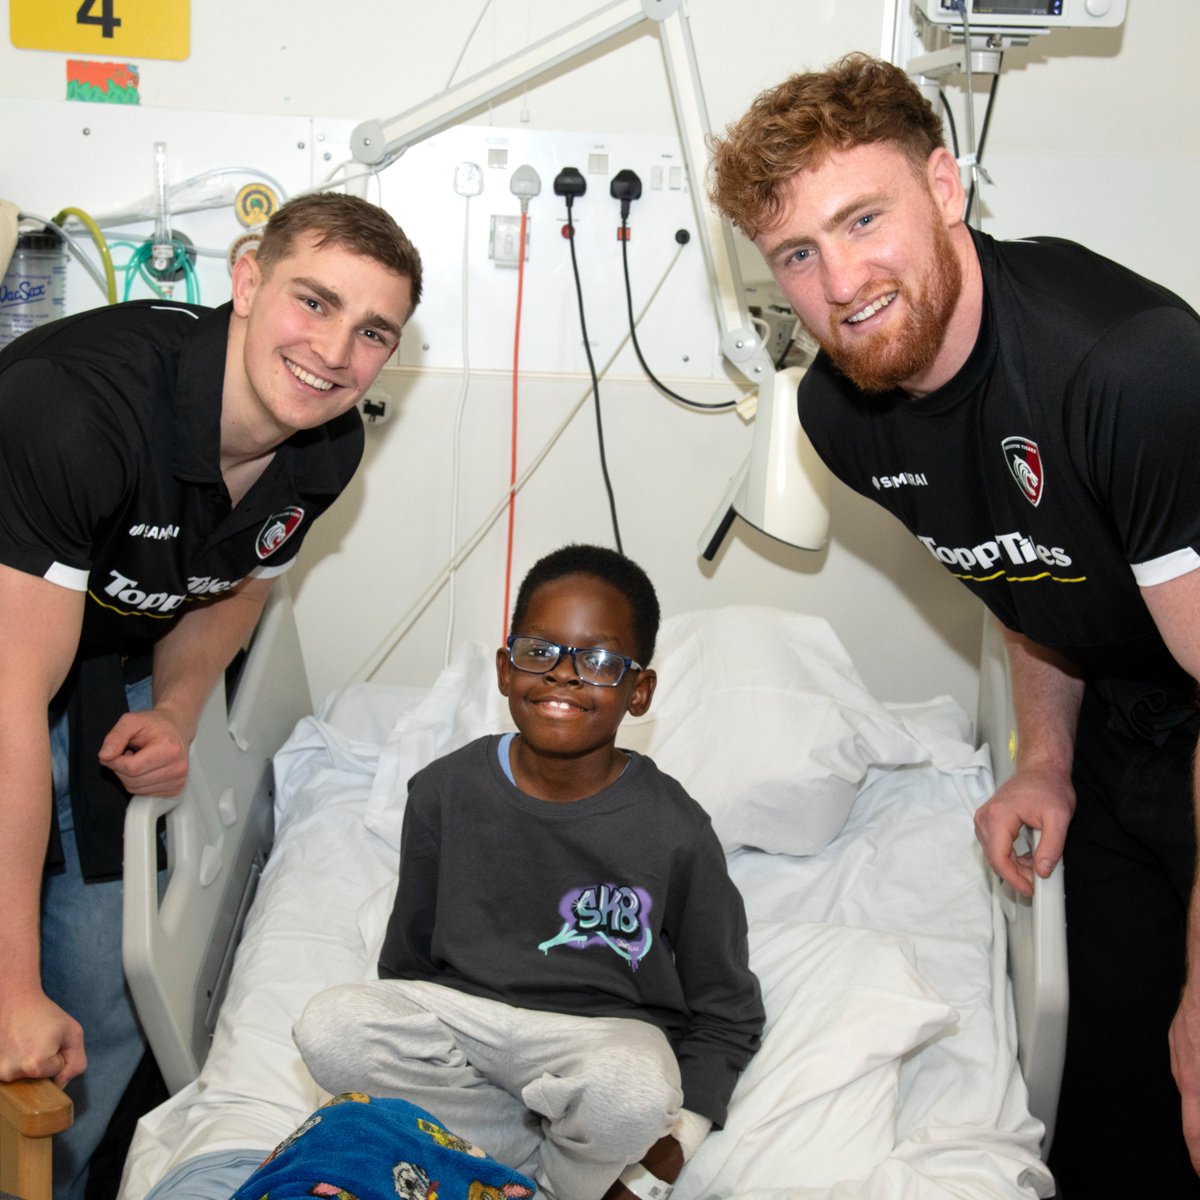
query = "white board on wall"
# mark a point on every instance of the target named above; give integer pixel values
(680, 336)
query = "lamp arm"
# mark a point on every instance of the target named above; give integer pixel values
(376, 141)
(740, 342)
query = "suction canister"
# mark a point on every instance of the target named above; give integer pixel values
(33, 291)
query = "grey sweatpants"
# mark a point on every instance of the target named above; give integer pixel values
(567, 1100)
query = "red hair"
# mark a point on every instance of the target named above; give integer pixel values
(794, 126)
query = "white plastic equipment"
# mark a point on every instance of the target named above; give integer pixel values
(178, 948)
(1037, 928)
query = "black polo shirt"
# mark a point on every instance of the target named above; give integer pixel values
(110, 478)
(1055, 474)
(110, 483)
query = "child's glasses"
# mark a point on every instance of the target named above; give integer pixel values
(601, 668)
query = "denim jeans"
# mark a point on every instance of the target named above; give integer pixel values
(82, 973)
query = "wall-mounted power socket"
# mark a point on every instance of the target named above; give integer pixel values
(504, 248)
(376, 405)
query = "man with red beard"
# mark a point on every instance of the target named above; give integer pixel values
(1027, 410)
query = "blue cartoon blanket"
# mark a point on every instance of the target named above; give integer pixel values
(360, 1147)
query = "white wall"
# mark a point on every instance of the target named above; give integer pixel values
(1094, 137)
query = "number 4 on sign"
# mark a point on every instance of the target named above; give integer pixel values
(124, 30)
(107, 20)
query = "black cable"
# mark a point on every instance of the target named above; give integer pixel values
(662, 387)
(950, 120)
(983, 132)
(612, 503)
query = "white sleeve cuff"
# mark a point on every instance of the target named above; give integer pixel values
(689, 1131)
(270, 572)
(1167, 567)
(68, 577)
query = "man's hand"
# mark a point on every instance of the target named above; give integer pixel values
(1040, 798)
(148, 752)
(38, 1040)
(1047, 691)
(39, 630)
(1184, 1039)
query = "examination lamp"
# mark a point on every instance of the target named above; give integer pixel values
(757, 493)
(783, 488)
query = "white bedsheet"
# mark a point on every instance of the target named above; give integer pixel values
(889, 1067)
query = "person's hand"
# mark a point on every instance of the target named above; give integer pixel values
(148, 752)
(1041, 799)
(1184, 1040)
(664, 1160)
(38, 1040)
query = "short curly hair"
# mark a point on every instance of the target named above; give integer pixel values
(609, 567)
(793, 127)
(354, 224)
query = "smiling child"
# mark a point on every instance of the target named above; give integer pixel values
(565, 979)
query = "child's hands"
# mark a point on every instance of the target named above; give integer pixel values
(664, 1160)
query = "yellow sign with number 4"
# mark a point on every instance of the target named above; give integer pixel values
(121, 29)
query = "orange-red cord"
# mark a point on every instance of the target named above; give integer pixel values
(512, 479)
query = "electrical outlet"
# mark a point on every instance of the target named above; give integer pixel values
(375, 406)
(468, 179)
(505, 247)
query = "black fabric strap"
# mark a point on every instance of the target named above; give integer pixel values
(93, 698)
(97, 798)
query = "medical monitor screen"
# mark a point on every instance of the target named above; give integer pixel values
(1013, 8)
(1014, 15)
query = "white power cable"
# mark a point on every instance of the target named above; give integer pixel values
(397, 632)
(331, 180)
(395, 154)
(216, 172)
(458, 420)
(976, 190)
(470, 37)
(144, 209)
(76, 249)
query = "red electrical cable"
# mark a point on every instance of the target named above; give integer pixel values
(512, 478)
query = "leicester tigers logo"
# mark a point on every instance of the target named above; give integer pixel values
(277, 530)
(1025, 462)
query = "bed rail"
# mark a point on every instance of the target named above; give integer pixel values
(1037, 927)
(178, 946)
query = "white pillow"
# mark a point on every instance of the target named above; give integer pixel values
(463, 704)
(762, 716)
(817, 1103)
(368, 712)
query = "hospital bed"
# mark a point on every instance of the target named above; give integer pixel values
(891, 1064)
